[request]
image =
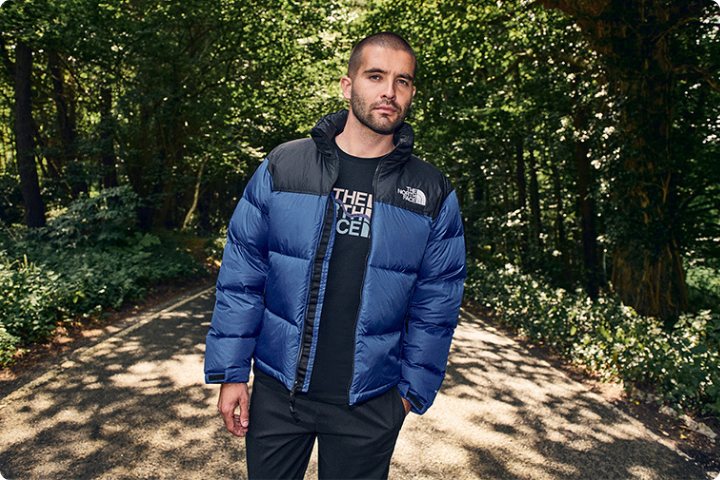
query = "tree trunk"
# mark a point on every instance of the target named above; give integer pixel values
(140, 167)
(587, 208)
(522, 197)
(631, 37)
(196, 194)
(506, 203)
(107, 140)
(27, 168)
(536, 222)
(648, 272)
(65, 127)
(65, 115)
(560, 235)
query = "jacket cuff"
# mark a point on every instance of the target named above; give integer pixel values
(415, 404)
(231, 375)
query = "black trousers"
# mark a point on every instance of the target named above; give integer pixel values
(354, 442)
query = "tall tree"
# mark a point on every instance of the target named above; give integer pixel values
(591, 265)
(107, 140)
(635, 42)
(151, 93)
(27, 168)
(64, 100)
(494, 94)
(535, 210)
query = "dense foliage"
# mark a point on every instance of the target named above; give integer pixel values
(179, 100)
(87, 260)
(608, 338)
(138, 117)
(581, 138)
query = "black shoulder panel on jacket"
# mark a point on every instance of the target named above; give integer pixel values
(298, 167)
(414, 185)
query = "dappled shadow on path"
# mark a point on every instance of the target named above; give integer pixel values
(505, 414)
(134, 408)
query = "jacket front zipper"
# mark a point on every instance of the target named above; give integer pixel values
(313, 294)
(362, 284)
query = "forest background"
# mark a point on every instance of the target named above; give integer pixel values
(581, 136)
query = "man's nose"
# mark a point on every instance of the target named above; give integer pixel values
(389, 92)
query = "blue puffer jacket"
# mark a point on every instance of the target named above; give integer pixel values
(271, 285)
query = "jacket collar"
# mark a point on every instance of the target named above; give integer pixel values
(330, 126)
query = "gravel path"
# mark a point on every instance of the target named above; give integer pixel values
(133, 406)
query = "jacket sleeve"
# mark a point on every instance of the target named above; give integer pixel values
(434, 308)
(239, 305)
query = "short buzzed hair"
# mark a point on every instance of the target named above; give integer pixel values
(382, 39)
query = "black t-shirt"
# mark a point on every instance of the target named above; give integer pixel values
(333, 366)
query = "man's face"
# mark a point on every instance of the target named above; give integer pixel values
(382, 90)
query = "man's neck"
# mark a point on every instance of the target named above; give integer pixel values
(359, 141)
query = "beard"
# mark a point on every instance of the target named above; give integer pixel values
(379, 123)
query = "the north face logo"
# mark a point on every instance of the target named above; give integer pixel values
(413, 195)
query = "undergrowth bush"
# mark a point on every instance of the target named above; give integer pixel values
(28, 300)
(607, 337)
(87, 260)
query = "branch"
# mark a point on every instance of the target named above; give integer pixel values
(712, 84)
(196, 194)
(675, 26)
(704, 73)
(508, 71)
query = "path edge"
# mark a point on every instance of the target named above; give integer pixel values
(70, 360)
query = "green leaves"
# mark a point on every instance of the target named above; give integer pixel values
(28, 309)
(607, 337)
(87, 260)
(155, 90)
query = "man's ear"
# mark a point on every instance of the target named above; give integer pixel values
(346, 85)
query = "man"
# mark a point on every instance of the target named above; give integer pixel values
(341, 282)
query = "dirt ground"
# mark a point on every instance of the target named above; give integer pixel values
(699, 447)
(703, 450)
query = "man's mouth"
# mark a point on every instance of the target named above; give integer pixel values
(386, 109)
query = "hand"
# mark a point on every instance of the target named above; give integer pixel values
(232, 396)
(406, 402)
